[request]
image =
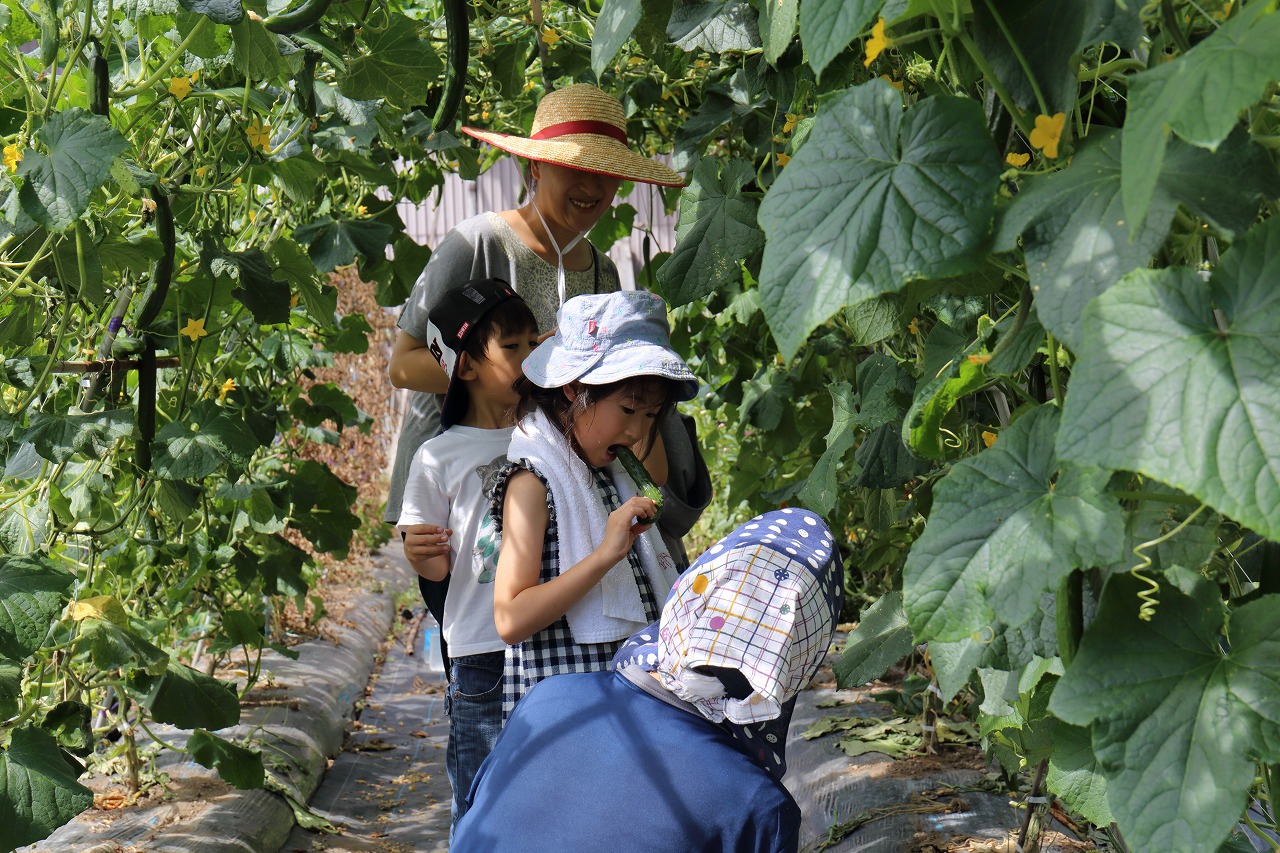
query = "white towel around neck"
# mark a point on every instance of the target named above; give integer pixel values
(612, 609)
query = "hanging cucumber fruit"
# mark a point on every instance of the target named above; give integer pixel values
(99, 80)
(162, 272)
(457, 23)
(305, 14)
(644, 483)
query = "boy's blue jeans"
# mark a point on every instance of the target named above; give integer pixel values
(474, 704)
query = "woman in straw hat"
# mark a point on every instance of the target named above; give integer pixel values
(578, 156)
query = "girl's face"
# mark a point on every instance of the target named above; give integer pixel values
(572, 200)
(625, 417)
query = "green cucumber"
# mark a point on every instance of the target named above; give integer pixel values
(457, 24)
(162, 272)
(644, 483)
(295, 20)
(99, 80)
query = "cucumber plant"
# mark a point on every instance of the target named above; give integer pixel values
(985, 284)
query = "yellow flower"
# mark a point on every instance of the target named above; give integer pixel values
(897, 84)
(259, 134)
(180, 87)
(550, 36)
(1016, 160)
(12, 157)
(201, 171)
(790, 124)
(361, 210)
(528, 85)
(293, 300)
(227, 388)
(194, 329)
(877, 43)
(783, 159)
(980, 358)
(988, 437)
(1048, 133)
(912, 327)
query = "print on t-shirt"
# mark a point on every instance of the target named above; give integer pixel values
(485, 552)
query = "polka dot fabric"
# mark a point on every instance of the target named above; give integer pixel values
(763, 601)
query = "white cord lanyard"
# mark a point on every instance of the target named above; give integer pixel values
(560, 279)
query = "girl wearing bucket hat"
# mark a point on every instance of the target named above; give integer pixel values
(682, 747)
(578, 157)
(580, 566)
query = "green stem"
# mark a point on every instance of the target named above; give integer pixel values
(156, 76)
(1069, 606)
(1114, 67)
(1005, 266)
(26, 270)
(1163, 497)
(1169, 18)
(1022, 60)
(1052, 345)
(38, 386)
(989, 74)
(1024, 309)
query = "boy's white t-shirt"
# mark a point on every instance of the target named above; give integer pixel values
(449, 483)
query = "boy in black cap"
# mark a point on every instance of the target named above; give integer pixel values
(480, 333)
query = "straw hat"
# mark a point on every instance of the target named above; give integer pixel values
(583, 128)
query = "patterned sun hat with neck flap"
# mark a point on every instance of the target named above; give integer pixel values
(760, 605)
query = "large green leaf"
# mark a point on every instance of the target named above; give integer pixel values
(1160, 389)
(884, 391)
(218, 11)
(114, 647)
(716, 26)
(777, 26)
(827, 27)
(1006, 526)
(1074, 775)
(318, 297)
(59, 437)
(38, 791)
(821, 490)
(717, 232)
(266, 297)
(322, 507)
(334, 243)
(1225, 185)
(1047, 36)
(1074, 235)
(881, 639)
(875, 199)
(10, 687)
(257, 52)
(195, 446)
(1177, 721)
(614, 26)
(1073, 227)
(396, 65)
(79, 149)
(33, 592)
(187, 698)
(885, 460)
(1198, 96)
(239, 767)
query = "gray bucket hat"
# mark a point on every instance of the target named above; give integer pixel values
(607, 337)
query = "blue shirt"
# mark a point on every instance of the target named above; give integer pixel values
(590, 761)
